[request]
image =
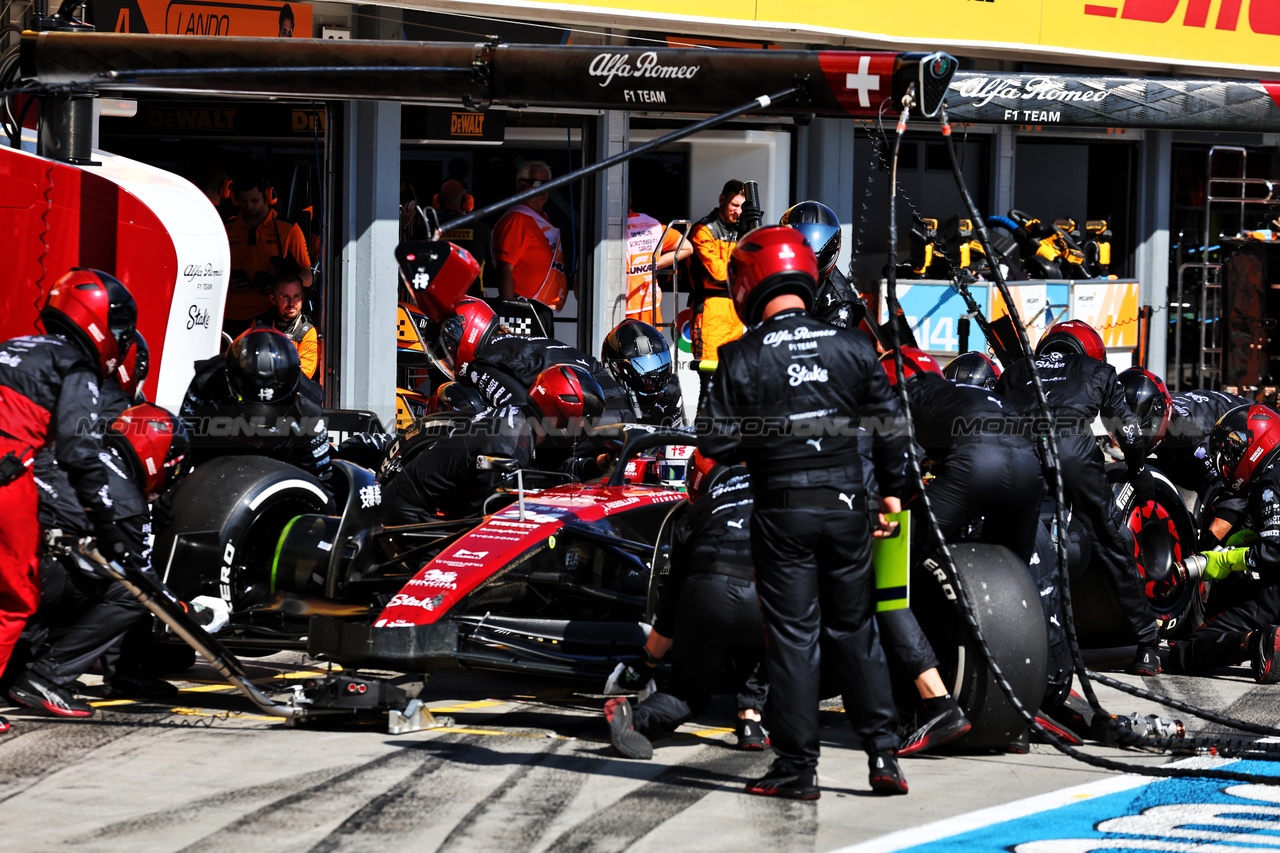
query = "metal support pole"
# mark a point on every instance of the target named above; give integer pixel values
(1155, 194)
(370, 232)
(608, 301)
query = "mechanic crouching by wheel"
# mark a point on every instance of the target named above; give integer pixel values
(255, 400)
(710, 610)
(145, 449)
(49, 392)
(984, 470)
(1080, 384)
(442, 480)
(984, 466)
(1244, 605)
(1182, 452)
(788, 399)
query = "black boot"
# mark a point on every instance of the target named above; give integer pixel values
(785, 780)
(886, 776)
(944, 722)
(36, 692)
(628, 742)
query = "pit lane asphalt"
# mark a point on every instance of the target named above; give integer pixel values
(525, 767)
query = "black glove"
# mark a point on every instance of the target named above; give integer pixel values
(112, 544)
(162, 511)
(1144, 485)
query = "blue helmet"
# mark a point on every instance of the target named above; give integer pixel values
(821, 227)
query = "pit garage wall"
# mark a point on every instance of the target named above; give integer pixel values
(827, 153)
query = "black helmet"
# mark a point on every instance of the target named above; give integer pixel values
(821, 227)
(972, 368)
(638, 357)
(455, 397)
(1149, 399)
(263, 370)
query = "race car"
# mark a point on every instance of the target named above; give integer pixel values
(557, 577)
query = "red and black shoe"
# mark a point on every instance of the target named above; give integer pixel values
(36, 692)
(1266, 655)
(752, 735)
(626, 741)
(1061, 733)
(5, 725)
(886, 776)
(1146, 661)
(784, 780)
(940, 728)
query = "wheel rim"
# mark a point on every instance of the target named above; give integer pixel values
(1157, 549)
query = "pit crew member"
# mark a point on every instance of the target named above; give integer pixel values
(837, 302)
(638, 358)
(1080, 385)
(145, 449)
(442, 480)
(710, 610)
(49, 390)
(475, 348)
(973, 368)
(255, 400)
(1244, 603)
(984, 465)
(715, 321)
(810, 533)
(1182, 455)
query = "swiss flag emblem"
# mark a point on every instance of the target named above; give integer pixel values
(860, 81)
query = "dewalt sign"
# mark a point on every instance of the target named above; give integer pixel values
(434, 124)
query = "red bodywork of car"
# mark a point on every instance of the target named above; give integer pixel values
(501, 538)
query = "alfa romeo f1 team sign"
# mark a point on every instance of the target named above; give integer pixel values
(1088, 101)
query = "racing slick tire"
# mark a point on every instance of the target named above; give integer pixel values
(1007, 608)
(1161, 534)
(230, 512)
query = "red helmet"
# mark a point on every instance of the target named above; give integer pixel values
(1244, 441)
(133, 369)
(913, 361)
(437, 273)
(461, 334)
(972, 368)
(157, 442)
(769, 262)
(96, 311)
(1073, 336)
(1150, 401)
(566, 393)
(698, 476)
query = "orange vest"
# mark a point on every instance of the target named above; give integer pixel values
(531, 244)
(643, 234)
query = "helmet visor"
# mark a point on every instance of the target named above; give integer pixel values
(1230, 451)
(122, 315)
(442, 347)
(652, 372)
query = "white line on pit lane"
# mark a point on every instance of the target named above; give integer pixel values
(952, 826)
